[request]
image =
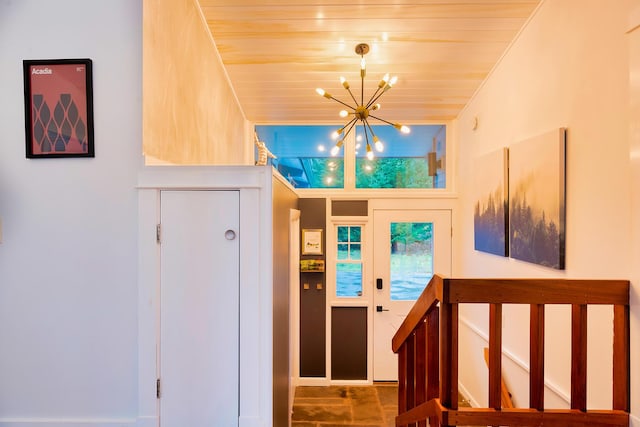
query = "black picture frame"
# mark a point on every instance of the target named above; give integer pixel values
(58, 104)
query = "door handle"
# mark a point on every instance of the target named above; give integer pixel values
(378, 283)
(379, 308)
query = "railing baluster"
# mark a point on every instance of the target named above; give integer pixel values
(536, 357)
(495, 355)
(449, 354)
(433, 354)
(411, 373)
(621, 362)
(579, 357)
(402, 378)
(421, 366)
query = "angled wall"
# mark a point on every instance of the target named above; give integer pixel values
(190, 112)
(568, 68)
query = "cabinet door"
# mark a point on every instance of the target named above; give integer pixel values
(199, 308)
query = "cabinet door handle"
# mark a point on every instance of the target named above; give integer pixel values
(230, 235)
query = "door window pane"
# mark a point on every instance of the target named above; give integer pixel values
(349, 269)
(349, 279)
(411, 259)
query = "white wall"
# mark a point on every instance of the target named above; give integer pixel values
(568, 68)
(68, 259)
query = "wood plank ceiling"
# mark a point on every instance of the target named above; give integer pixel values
(276, 54)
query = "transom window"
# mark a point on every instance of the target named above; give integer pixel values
(416, 160)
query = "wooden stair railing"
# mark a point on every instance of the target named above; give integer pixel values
(427, 348)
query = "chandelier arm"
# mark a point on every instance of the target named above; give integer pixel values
(352, 97)
(353, 123)
(349, 122)
(361, 88)
(366, 135)
(376, 98)
(366, 122)
(373, 98)
(343, 103)
(382, 120)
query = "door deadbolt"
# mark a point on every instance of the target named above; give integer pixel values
(379, 308)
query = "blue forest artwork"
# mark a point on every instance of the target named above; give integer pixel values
(537, 200)
(491, 206)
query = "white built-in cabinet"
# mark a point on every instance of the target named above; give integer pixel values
(205, 305)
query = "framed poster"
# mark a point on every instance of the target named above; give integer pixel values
(58, 105)
(312, 242)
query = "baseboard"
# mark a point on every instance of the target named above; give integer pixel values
(151, 421)
(465, 393)
(251, 422)
(313, 381)
(71, 422)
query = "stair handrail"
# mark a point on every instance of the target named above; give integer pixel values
(427, 348)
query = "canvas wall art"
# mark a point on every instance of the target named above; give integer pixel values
(537, 199)
(490, 226)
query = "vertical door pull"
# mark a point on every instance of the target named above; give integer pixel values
(378, 283)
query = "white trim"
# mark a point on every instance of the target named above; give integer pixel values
(313, 381)
(467, 395)
(256, 276)
(351, 382)
(294, 306)
(66, 422)
(391, 194)
(551, 386)
(147, 422)
(634, 421)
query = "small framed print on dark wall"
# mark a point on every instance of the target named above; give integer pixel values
(58, 104)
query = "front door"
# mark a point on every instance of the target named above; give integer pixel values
(409, 247)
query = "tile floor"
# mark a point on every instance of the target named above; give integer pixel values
(334, 406)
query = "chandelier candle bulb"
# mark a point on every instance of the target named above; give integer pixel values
(378, 144)
(370, 154)
(384, 81)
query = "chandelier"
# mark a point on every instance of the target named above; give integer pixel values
(361, 112)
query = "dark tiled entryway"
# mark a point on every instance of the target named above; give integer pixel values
(334, 406)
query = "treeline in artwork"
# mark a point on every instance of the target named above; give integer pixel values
(533, 236)
(490, 223)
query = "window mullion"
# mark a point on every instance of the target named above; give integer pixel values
(350, 161)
